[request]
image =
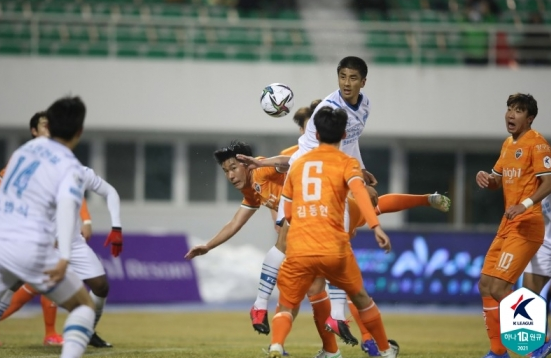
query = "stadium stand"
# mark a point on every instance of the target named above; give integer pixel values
(433, 32)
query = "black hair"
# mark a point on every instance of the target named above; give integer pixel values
(523, 102)
(33, 123)
(330, 124)
(235, 147)
(66, 117)
(353, 63)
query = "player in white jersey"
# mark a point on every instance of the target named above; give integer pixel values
(84, 262)
(538, 271)
(41, 195)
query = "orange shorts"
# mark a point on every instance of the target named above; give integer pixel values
(297, 274)
(508, 256)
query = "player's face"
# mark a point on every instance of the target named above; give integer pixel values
(41, 128)
(517, 121)
(350, 84)
(236, 173)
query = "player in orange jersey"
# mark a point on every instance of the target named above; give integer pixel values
(523, 170)
(318, 245)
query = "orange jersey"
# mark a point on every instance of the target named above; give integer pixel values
(519, 166)
(265, 189)
(317, 186)
(289, 151)
(2, 172)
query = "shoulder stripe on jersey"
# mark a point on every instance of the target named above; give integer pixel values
(286, 198)
(496, 173)
(335, 103)
(542, 174)
(355, 177)
(250, 207)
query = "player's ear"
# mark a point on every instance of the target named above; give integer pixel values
(317, 136)
(343, 135)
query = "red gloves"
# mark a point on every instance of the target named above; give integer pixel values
(115, 239)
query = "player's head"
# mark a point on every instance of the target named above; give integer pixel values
(522, 109)
(352, 72)
(66, 119)
(39, 125)
(303, 114)
(330, 124)
(235, 171)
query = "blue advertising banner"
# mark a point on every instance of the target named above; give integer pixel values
(150, 269)
(423, 267)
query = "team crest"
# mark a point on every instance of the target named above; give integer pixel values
(547, 162)
(518, 153)
(257, 187)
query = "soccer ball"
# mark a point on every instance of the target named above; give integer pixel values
(277, 100)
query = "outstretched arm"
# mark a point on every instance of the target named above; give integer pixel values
(228, 231)
(281, 162)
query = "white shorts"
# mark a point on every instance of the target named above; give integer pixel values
(541, 262)
(27, 262)
(84, 261)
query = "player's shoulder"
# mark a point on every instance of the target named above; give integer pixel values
(290, 150)
(536, 137)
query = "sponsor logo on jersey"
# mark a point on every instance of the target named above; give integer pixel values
(547, 162)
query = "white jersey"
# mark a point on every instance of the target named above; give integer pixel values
(93, 182)
(357, 117)
(546, 210)
(40, 174)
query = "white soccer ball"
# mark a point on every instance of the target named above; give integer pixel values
(277, 100)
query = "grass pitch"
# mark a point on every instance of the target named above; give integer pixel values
(230, 335)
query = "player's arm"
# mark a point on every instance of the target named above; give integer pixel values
(227, 232)
(68, 200)
(487, 180)
(86, 218)
(541, 192)
(99, 186)
(357, 187)
(368, 177)
(280, 162)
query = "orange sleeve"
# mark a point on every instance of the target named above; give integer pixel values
(364, 202)
(84, 213)
(2, 172)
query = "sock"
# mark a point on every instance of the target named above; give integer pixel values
(99, 302)
(20, 297)
(366, 336)
(78, 328)
(5, 301)
(490, 309)
(281, 326)
(371, 318)
(49, 311)
(270, 268)
(338, 302)
(321, 308)
(391, 203)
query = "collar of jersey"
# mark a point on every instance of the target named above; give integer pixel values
(357, 106)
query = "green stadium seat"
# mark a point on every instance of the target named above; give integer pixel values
(131, 33)
(529, 5)
(386, 39)
(14, 7)
(428, 40)
(393, 58)
(303, 57)
(407, 4)
(129, 51)
(14, 47)
(246, 56)
(282, 37)
(371, 15)
(166, 35)
(211, 55)
(14, 31)
(68, 49)
(50, 32)
(97, 49)
(239, 36)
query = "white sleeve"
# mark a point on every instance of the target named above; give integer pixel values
(355, 152)
(99, 186)
(68, 200)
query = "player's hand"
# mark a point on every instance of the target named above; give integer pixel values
(57, 273)
(369, 178)
(382, 239)
(483, 179)
(115, 239)
(251, 162)
(514, 210)
(86, 231)
(196, 251)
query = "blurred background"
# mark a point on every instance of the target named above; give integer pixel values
(168, 82)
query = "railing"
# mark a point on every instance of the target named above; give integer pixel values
(266, 39)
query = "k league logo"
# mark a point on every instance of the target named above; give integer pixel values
(523, 319)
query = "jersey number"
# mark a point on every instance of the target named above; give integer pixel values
(308, 182)
(21, 176)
